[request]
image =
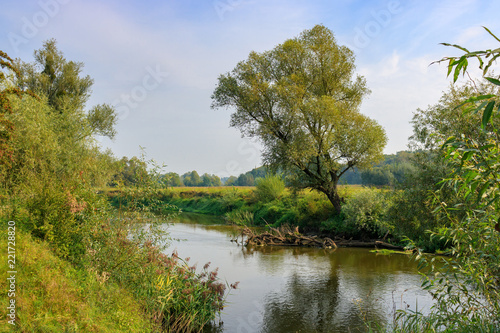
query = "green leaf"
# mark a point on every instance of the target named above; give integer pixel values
(492, 34)
(483, 189)
(467, 155)
(456, 46)
(462, 63)
(493, 80)
(474, 99)
(450, 140)
(476, 110)
(488, 110)
(450, 66)
(492, 60)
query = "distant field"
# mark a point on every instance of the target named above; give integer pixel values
(344, 190)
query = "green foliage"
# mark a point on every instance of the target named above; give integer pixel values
(102, 120)
(50, 176)
(336, 225)
(173, 179)
(467, 289)
(193, 179)
(239, 217)
(271, 213)
(231, 181)
(245, 179)
(54, 296)
(7, 128)
(55, 78)
(248, 178)
(301, 100)
(130, 172)
(377, 177)
(210, 180)
(131, 253)
(392, 171)
(412, 212)
(365, 211)
(60, 82)
(449, 117)
(270, 188)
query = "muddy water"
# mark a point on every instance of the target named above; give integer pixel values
(287, 289)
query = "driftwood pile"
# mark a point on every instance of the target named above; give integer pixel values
(284, 236)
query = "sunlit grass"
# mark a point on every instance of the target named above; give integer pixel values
(53, 296)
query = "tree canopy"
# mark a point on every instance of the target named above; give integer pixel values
(302, 100)
(58, 80)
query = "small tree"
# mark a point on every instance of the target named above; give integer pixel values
(66, 90)
(301, 100)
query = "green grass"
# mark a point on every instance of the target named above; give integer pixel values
(53, 296)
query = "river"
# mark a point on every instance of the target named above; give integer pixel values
(288, 289)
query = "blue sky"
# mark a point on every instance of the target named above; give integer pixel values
(157, 62)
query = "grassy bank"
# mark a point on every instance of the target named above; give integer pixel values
(123, 282)
(53, 296)
(309, 210)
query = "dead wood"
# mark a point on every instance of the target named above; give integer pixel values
(284, 236)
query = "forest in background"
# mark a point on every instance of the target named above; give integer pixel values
(389, 172)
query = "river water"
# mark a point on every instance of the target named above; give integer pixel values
(289, 289)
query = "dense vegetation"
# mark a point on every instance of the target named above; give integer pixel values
(465, 125)
(81, 264)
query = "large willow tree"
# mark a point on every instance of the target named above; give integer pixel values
(302, 99)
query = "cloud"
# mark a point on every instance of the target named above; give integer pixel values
(119, 40)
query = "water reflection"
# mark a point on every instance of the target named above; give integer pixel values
(291, 289)
(303, 305)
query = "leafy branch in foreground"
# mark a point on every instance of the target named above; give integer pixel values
(467, 288)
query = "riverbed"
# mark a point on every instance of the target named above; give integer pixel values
(290, 289)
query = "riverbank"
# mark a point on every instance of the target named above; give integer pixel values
(362, 217)
(122, 280)
(49, 294)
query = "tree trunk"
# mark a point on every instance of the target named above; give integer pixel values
(334, 198)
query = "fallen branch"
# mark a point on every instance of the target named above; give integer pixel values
(284, 236)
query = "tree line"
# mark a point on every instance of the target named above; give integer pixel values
(391, 171)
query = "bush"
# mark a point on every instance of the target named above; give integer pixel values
(365, 212)
(270, 188)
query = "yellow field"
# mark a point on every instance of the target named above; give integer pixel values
(344, 190)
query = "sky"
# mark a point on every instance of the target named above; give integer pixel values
(157, 62)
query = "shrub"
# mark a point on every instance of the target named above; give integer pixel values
(270, 188)
(365, 211)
